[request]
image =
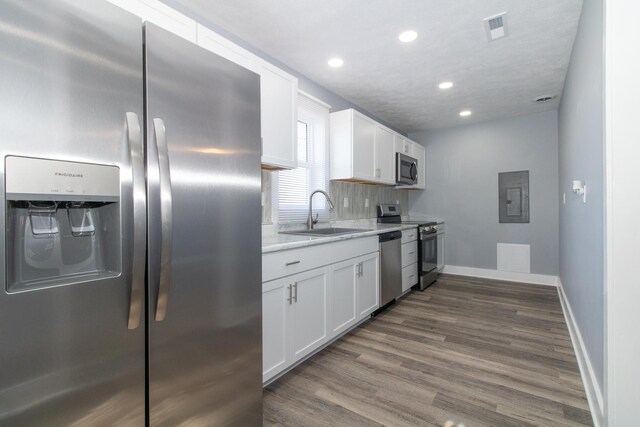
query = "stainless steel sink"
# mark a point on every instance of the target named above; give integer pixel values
(325, 231)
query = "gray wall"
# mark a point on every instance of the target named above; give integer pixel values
(462, 188)
(336, 101)
(581, 156)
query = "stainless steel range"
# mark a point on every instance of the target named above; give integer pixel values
(427, 243)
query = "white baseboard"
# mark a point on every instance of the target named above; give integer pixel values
(594, 394)
(486, 273)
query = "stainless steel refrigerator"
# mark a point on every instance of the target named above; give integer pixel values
(130, 250)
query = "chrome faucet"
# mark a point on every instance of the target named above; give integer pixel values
(310, 220)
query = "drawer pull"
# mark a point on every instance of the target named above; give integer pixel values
(287, 264)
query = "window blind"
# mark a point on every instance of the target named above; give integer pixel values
(312, 173)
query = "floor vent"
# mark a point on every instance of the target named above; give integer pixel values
(496, 26)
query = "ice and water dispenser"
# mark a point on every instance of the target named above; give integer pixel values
(62, 222)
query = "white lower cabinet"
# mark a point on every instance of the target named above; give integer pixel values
(304, 310)
(344, 278)
(308, 325)
(294, 319)
(368, 286)
(409, 276)
(409, 252)
(274, 324)
(354, 291)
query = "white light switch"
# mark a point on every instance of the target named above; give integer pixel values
(346, 202)
(366, 203)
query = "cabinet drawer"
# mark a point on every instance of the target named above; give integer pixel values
(352, 248)
(409, 276)
(409, 253)
(285, 263)
(409, 235)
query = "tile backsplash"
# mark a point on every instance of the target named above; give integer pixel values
(356, 195)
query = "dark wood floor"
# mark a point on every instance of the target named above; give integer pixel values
(478, 352)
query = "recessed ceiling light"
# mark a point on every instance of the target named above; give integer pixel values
(445, 85)
(465, 113)
(408, 36)
(335, 62)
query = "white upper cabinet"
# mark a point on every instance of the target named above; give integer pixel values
(403, 145)
(385, 155)
(278, 100)
(361, 149)
(221, 46)
(161, 15)
(278, 89)
(279, 112)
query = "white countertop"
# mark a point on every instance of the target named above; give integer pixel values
(426, 219)
(273, 242)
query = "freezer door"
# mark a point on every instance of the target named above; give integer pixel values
(203, 147)
(71, 331)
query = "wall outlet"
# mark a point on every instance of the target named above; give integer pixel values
(346, 202)
(397, 202)
(366, 203)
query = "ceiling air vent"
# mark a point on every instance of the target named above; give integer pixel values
(496, 26)
(544, 98)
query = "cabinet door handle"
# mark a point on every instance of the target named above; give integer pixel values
(289, 300)
(287, 264)
(411, 253)
(295, 294)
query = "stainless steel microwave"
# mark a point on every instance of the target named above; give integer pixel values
(406, 170)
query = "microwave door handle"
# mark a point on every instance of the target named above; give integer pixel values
(413, 171)
(165, 218)
(133, 137)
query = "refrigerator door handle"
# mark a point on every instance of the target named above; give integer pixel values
(165, 218)
(136, 153)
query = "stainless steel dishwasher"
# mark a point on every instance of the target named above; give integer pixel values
(390, 267)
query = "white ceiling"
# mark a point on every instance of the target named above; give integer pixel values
(397, 81)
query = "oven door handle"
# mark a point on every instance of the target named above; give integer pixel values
(428, 235)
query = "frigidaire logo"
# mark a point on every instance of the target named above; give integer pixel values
(69, 175)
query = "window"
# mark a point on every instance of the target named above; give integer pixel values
(312, 173)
